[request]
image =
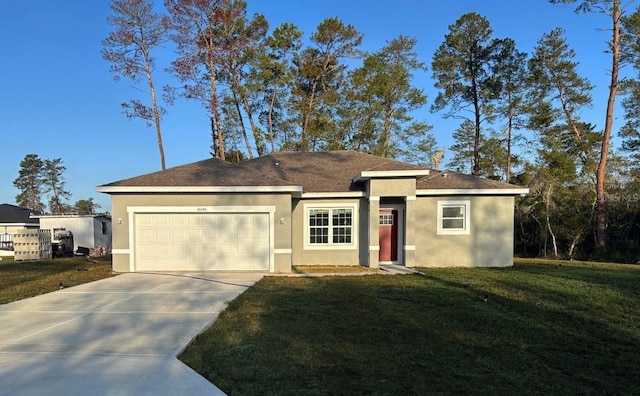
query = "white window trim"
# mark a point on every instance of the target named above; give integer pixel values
(330, 246)
(467, 218)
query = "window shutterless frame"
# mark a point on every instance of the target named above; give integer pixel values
(454, 218)
(330, 226)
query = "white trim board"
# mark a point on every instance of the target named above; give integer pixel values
(390, 174)
(474, 191)
(350, 194)
(197, 189)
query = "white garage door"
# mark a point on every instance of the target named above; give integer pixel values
(201, 241)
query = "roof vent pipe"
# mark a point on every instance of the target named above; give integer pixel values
(444, 175)
(277, 164)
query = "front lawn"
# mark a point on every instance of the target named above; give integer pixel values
(544, 329)
(23, 279)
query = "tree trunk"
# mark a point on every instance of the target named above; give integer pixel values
(214, 105)
(385, 134)
(270, 120)
(156, 120)
(214, 143)
(509, 132)
(476, 140)
(304, 140)
(547, 204)
(154, 102)
(574, 243)
(553, 237)
(244, 131)
(604, 152)
(156, 115)
(254, 128)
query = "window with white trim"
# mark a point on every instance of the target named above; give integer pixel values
(453, 217)
(330, 227)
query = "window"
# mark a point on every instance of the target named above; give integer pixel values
(319, 226)
(386, 219)
(453, 217)
(103, 227)
(331, 226)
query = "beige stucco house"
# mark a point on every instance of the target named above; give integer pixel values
(306, 208)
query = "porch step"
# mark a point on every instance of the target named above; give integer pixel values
(393, 269)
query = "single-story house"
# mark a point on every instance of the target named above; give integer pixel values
(306, 208)
(89, 230)
(14, 219)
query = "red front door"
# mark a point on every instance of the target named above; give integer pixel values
(388, 230)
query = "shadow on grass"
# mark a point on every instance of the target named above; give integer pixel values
(427, 334)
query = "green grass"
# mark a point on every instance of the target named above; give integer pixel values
(545, 329)
(23, 279)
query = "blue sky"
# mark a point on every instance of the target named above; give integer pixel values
(58, 98)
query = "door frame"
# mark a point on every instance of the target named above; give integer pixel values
(400, 242)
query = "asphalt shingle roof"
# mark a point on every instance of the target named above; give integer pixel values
(454, 180)
(14, 214)
(209, 172)
(331, 171)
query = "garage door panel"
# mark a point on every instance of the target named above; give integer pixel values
(202, 241)
(259, 233)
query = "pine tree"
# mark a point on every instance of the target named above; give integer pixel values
(54, 184)
(385, 97)
(463, 68)
(30, 183)
(138, 31)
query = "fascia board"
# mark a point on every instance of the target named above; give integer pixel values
(197, 189)
(366, 175)
(349, 194)
(473, 191)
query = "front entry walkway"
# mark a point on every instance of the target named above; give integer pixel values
(114, 336)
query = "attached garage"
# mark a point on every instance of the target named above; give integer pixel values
(209, 238)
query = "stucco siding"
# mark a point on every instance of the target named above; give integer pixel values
(120, 262)
(302, 255)
(488, 244)
(392, 187)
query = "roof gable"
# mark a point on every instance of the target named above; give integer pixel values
(447, 182)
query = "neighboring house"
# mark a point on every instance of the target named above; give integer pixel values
(306, 208)
(13, 219)
(88, 230)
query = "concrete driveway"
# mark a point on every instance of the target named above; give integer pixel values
(116, 336)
